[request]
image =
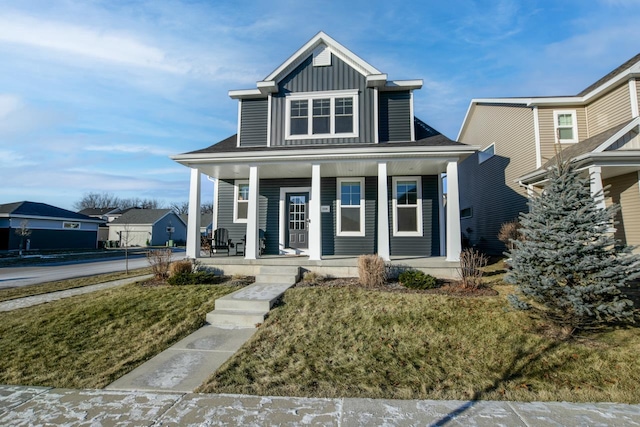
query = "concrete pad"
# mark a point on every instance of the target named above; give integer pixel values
(89, 408)
(238, 410)
(14, 395)
(259, 292)
(216, 339)
(378, 412)
(173, 370)
(577, 414)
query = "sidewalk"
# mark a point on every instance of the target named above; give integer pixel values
(34, 406)
(17, 303)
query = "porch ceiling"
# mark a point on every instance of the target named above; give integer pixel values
(271, 170)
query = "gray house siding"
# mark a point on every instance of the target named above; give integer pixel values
(253, 122)
(395, 116)
(225, 190)
(307, 78)
(429, 243)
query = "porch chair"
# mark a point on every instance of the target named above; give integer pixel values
(262, 243)
(221, 241)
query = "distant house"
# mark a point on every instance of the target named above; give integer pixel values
(142, 227)
(206, 223)
(520, 138)
(51, 227)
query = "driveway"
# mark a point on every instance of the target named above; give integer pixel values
(12, 277)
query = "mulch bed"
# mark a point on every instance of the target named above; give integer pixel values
(445, 287)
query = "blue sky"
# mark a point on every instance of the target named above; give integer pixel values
(95, 95)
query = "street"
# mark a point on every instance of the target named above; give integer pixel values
(12, 277)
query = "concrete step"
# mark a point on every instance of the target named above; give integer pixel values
(235, 304)
(280, 269)
(236, 318)
(255, 297)
(289, 279)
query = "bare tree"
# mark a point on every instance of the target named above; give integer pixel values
(180, 208)
(125, 241)
(23, 231)
(206, 208)
(94, 200)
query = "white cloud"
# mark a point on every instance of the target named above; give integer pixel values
(9, 104)
(130, 149)
(13, 159)
(103, 45)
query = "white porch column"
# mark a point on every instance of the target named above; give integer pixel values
(315, 216)
(383, 212)
(193, 223)
(251, 249)
(441, 216)
(454, 246)
(595, 174)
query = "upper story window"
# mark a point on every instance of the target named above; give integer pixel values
(241, 205)
(322, 115)
(565, 125)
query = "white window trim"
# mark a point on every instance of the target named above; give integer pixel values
(339, 208)
(574, 126)
(481, 152)
(310, 96)
(394, 181)
(236, 192)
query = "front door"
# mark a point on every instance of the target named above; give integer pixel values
(297, 226)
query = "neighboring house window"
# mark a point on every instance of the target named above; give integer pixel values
(71, 225)
(350, 215)
(407, 206)
(486, 154)
(322, 115)
(241, 205)
(565, 125)
(466, 213)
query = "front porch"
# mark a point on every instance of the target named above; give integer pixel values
(334, 266)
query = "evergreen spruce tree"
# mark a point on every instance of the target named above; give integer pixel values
(568, 268)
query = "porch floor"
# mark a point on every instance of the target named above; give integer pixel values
(331, 265)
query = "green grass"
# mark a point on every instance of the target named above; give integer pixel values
(349, 342)
(61, 285)
(90, 340)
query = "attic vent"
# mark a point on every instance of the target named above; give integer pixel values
(322, 56)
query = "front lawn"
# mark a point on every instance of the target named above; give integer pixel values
(89, 341)
(353, 342)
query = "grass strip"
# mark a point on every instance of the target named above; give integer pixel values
(88, 341)
(61, 285)
(350, 342)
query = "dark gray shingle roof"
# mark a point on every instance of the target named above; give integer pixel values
(27, 208)
(141, 216)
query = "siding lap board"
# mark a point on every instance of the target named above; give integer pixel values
(395, 116)
(253, 122)
(610, 110)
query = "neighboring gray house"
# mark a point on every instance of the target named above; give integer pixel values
(51, 227)
(598, 130)
(143, 227)
(329, 159)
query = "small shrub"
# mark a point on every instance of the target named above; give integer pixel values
(193, 278)
(184, 266)
(471, 264)
(372, 271)
(416, 279)
(509, 233)
(312, 278)
(159, 260)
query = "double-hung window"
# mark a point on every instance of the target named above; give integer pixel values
(407, 206)
(241, 205)
(565, 125)
(350, 215)
(322, 115)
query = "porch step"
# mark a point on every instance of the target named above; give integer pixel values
(236, 318)
(249, 306)
(293, 270)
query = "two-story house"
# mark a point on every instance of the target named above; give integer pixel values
(597, 129)
(329, 160)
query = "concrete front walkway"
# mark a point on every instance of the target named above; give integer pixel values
(17, 303)
(38, 406)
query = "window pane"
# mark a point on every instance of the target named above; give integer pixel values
(299, 108)
(344, 124)
(350, 193)
(407, 192)
(321, 125)
(565, 133)
(565, 120)
(299, 126)
(344, 106)
(243, 208)
(321, 107)
(350, 219)
(407, 219)
(243, 192)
